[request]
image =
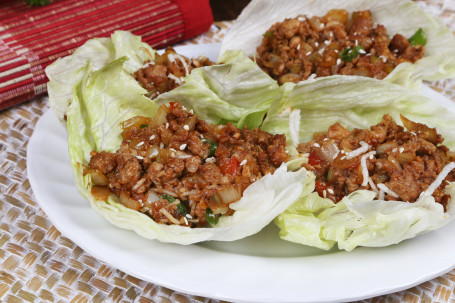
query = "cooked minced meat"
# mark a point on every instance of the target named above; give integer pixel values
(167, 71)
(401, 164)
(295, 49)
(179, 169)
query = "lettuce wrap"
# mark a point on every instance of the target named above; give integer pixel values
(104, 98)
(236, 91)
(359, 219)
(403, 16)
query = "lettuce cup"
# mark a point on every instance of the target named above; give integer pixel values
(382, 174)
(169, 175)
(298, 40)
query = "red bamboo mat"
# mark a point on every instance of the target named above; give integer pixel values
(31, 38)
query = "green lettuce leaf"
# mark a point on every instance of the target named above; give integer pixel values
(237, 91)
(404, 17)
(66, 72)
(358, 219)
(104, 98)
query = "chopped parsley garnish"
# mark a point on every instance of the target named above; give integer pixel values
(212, 148)
(350, 53)
(210, 217)
(181, 209)
(167, 197)
(144, 125)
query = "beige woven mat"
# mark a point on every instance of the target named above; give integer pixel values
(38, 264)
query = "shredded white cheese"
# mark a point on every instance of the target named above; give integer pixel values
(294, 126)
(363, 163)
(357, 152)
(173, 57)
(373, 186)
(386, 190)
(437, 182)
(177, 80)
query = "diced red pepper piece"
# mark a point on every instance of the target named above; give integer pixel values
(314, 159)
(230, 167)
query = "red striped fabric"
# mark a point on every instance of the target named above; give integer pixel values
(31, 38)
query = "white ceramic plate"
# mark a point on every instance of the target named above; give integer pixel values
(260, 268)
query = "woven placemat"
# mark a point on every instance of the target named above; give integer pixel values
(38, 264)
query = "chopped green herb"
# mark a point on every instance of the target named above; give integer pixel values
(210, 217)
(167, 197)
(419, 38)
(350, 53)
(268, 34)
(144, 125)
(181, 209)
(212, 148)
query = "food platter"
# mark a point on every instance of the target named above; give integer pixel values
(258, 268)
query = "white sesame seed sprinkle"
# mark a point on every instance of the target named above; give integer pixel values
(309, 53)
(140, 157)
(362, 51)
(186, 220)
(316, 44)
(322, 25)
(140, 144)
(182, 147)
(316, 145)
(167, 125)
(298, 47)
(330, 191)
(326, 42)
(401, 149)
(331, 34)
(243, 162)
(186, 127)
(336, 51)
(324, 193)
(152, 137)
(188, 216)
(172, 149)
(338, 61)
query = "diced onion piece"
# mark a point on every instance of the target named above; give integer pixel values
(219, 202)
(129, 202)
(385, 147)
(437, 182)
(191, 123)
(431, 134)
(160, 116)
(152, 151)
(100, 192)
(152, 196)
(97, 177)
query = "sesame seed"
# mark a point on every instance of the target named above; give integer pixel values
(325, 139)
(331, 34)
(243, 162)
(167, 125)
(326, 42)
(322, 25)
(362, 51)
(186, 220)
(330, 191)
(371, 157)
(188, 216)
(298, 47)
(186, 127)
(342, 151)
(316, 44)
(140, 144)
(316, 145)
(356, 42)
(401, 149)
(152, 137)
(309, 53)
(182, 147)
(394, 150)
(324, 193)
(172, 149)
(140, 157)
(338, 61)
(336, 51)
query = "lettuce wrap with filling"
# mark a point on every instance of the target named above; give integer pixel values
(403, 16)
(359, 219)
(105, 97)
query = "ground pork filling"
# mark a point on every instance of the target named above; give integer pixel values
(395, 163)
(181, 170)
(167, 71)
(303, 47)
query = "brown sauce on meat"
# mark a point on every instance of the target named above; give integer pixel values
(167, 71)
(179, 169)
(406, 162)
(295, 49)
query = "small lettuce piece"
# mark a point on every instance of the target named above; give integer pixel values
(404, 17)
(104, 98)
(237, 91)
(66, 72)
(358, 219)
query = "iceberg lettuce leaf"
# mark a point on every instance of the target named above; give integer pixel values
(358, 219)
(404, 17)
(103, 99)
